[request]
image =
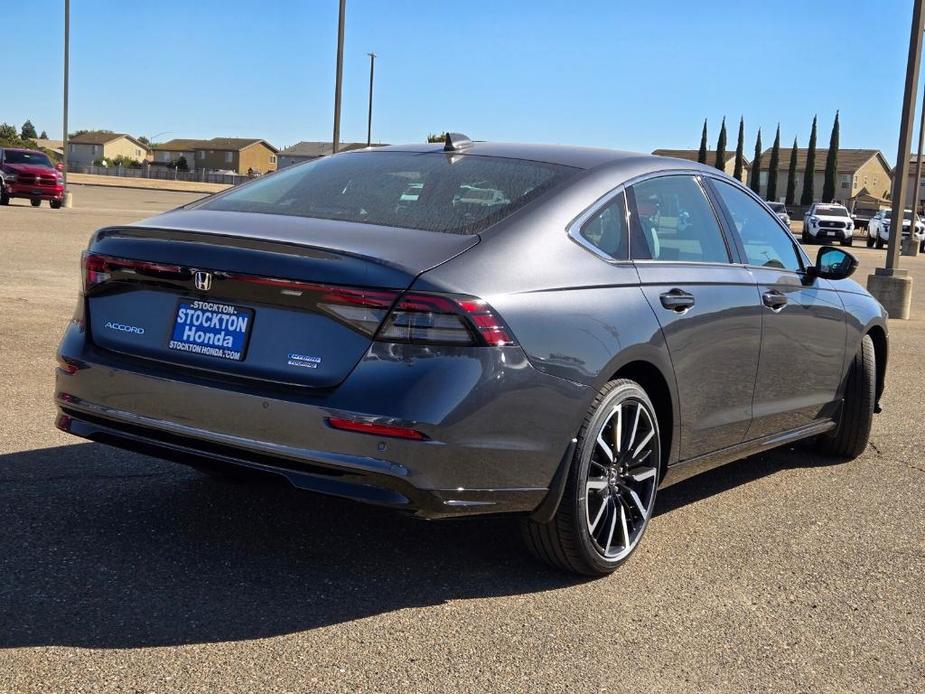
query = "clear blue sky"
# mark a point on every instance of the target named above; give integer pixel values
(630, 75)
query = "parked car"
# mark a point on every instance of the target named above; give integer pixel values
(878, 230)
(618, 323)
(780, 209)
(828, 222)
(25, 173)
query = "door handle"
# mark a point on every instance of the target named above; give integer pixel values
(677, 300)
(774, 300)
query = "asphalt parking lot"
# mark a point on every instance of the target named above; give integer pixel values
(784, 572)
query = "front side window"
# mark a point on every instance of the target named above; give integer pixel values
(606, 229)
(766, 243)
(672, 220)
(431, 191)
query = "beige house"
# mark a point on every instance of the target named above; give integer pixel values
(86, 148)
(860, 172)
(306, 151)
(692, 154)
(169, 152)
(238, 154)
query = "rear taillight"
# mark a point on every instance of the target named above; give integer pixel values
(97, 269)
(364, 427)
(444, 320)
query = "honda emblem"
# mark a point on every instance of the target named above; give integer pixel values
(203, 281)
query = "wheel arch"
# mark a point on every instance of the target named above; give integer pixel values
(654, 382)
(878, 337)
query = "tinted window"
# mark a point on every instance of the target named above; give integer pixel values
(831, 211)
(777, 206)
(766, 243)
(606, 230)
(460, 194)
(673, 220)
(11, 156)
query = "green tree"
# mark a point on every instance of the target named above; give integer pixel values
(792, 176)
(144, 140)
(773, 166)
(755, 183)
(831, 164)
(720, 162)
(28, 131)
(182, 165)
(43, 136)
(8, 135)
(436, 138)
(809, 189)
(702, 154)
(740, 151)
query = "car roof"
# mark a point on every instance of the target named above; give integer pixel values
(565, 155)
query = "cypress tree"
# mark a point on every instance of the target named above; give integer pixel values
(809, 189)
(756, 166)
(831, 164)
(773, 166)
(740, 151)
(720, 162)
(702, 154)
(792, 176)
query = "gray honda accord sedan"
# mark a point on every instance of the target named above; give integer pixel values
(472, 328)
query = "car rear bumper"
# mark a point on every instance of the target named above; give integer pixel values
(497, 428)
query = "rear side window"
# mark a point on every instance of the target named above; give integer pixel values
(672, 220)
(433, 191)
(607, 230)
(766, 243)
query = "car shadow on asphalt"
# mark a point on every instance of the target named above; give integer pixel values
(101, 548)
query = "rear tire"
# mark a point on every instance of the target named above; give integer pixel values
(848, 242)
(870, 242)
(4, 199)
(36, 203)
(610, 492)
(807, 239)
(922, 247)
(879, 242)
(851, 435)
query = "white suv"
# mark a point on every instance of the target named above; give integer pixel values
(828, 222)
(878, 229)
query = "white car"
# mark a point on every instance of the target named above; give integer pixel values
(780, 209)
(878, 229)
(828, 222)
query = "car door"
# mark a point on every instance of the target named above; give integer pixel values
(707, 306)
(803, 321)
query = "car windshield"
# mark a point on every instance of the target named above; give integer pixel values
(777, 206)
(832, 211)
(432, 191)
(12, 156)
(907, 215)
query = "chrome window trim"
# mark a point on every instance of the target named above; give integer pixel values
(574, 228)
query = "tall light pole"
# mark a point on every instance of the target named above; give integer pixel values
(340, 74)
(67, 53)
(369, 121)
(913, 247)
(891, 285)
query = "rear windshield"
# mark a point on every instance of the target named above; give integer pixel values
(11, 156)
(433, 191)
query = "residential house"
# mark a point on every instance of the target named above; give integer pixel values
(860, 172)
(170, 152)
(56, 147)
(238, 154)
(306, 151)
(692, 154)
(912, 184)
(86, 148)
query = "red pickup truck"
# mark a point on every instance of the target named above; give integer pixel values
(25, 173)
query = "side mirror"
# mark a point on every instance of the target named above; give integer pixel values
(833, 264)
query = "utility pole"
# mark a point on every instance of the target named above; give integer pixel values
(67, 53)
(913, 247)
(891, 285)
(340, 74)
(369, 121)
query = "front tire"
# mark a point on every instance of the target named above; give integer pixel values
(851, 435)
(848, 242)
(4, 199)
(55, 204)
(870, 242)
(610, 492)
(879, 243)
(36, 203)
